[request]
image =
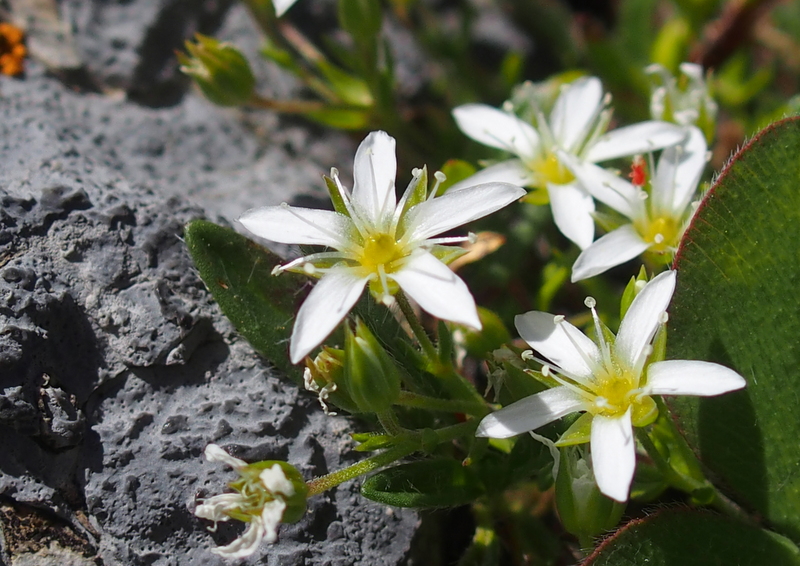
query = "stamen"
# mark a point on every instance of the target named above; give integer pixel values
(558, 319)
(590, 302)
(605, 348)
(450, 240)
(309, 268)
(658, 238)
(324, 393)
(664, 318)
(527, 355)
(440, 178)
(546, 370)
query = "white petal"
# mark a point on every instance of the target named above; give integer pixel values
(214, 508)
(374, 172)
(292, 225)
(214, 453)
(572, 212)
(454, 208)
(282, 5)
(638, 138)
(613, 455)
(499, 129)
(561, 343)
(643, 317)
(246, 544)
(274, 479)
(574, 110)
(530, 413)
(512, 171)
(271, 516)
(615, 248)
(678, 173)
(688, 377)
(437, 289)
(328, 303)
(605, 186)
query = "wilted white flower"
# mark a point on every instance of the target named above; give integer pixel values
(658, 217)
(609, 380)
(260, 500)
(577, 126)
(685, 99)
(379, 241)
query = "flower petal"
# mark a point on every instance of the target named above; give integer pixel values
(678, 173)
(292, 225)
(643, 317)
(454, 208)
(530, 413)
(689, 377)
(511, 171)
(325, 307)
(215, 453)
(281, 6)
(606, 187)
(374, 172)
(274, 479)
(271, 515)
(615, 248)
(613, 454)
(246, 544)
(437, 289)
(638, 138)
(215, 508)
(572, 212)
(574, 111)
(560, 342)
(499, 129)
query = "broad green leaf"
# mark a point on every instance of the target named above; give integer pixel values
(427, 483)
(237, 272)
(684, 537)
(738, 270)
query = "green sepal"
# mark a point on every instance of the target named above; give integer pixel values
(583, 510)
(447, 254)
(427, 483)
(580, 432)
(336, 196)
(238, 273)
(219, 69)
(351, 90)
(648, 483)
(492, 335)
(608, 221)
(341, 118)
(632, 289)
(372, 378)
(295, 503)
(417, 192)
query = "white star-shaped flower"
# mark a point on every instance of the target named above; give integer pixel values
(577, 126)
(685, 100)
(260, 501)
(379, 241)
(609, 380)
(657, 219)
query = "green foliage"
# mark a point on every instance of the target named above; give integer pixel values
(220, 70)
(737, 267)
(681, 537)
(237, 272)
(427, 483)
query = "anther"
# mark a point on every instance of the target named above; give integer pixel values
(664, 317)
(334, 172)
(277, 270)
(590, 302)
(508, 106)
(309, 268)
(416, 172)
(388, 300)
(527, 355)
(472, 237)
(546, 370)
(659, 238)
(439, 176)
(558, 319)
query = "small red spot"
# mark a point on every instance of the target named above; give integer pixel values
(638, 174)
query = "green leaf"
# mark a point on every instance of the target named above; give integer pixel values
(683, 537)
(237, 272)
(737, 273)
(427, 483)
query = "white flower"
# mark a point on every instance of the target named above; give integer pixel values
(686, 100)
(658, 219)
(379, 241)
(577, 127)
(260, 501)
(607, 380)
(282, 5)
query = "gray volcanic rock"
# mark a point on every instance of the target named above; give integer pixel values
(116, 366)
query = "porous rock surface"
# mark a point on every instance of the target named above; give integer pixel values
(116, 366)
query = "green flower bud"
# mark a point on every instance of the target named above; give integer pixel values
(584, 511)
(371, 376)
(220, 70)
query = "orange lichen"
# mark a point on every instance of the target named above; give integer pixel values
(12, 50)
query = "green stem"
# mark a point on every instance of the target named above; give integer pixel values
(390, 423)
(409, 399)
(416, 328)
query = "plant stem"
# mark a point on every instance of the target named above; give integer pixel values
(416, 328)
(389, 422)
(409, 399)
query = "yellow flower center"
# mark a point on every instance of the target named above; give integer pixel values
(380, 249)
(662, 233)
(615, 391)
(551, 170)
